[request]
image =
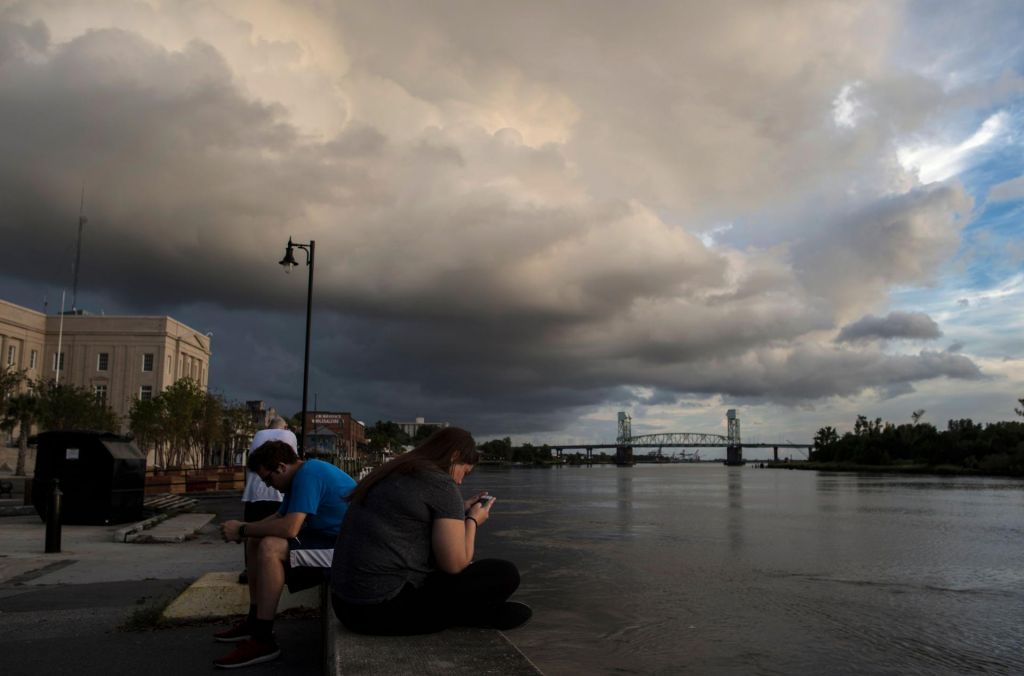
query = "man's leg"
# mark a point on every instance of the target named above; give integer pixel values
(252, 545)
(243, 630)
(270, 556)
(251, 512)
(266, 580)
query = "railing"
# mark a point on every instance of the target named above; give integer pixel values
(194, 480)
(686, 438)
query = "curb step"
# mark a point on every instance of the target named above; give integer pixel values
(168, 502)
(167, 505)
(166, 528)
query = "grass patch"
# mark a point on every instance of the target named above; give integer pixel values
(149, 614)
(146, 618)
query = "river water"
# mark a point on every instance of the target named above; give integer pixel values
(706, 569)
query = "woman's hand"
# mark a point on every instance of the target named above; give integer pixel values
(473, 500)
(480, 511)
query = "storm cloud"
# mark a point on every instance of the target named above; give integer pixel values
(912, 325)
(508, 200)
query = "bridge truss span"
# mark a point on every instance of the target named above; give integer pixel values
(679, 439)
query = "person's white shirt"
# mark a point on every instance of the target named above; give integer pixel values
(255, 489)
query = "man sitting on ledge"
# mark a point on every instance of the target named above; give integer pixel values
(295, 545)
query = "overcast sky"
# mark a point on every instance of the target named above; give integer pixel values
(531, 215)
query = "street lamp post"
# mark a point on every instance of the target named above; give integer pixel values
(289, 262)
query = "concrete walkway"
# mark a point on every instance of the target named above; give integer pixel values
(460, 651)
(79, 598)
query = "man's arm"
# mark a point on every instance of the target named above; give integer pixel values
(275, 525)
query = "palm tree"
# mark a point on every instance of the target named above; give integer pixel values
(22, 410)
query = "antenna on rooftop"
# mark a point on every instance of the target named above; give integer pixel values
(82, 220)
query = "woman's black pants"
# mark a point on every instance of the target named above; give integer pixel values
(468, 598)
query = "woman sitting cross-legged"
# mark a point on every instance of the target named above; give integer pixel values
(403, 563)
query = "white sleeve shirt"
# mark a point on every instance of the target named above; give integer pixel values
(255, 489)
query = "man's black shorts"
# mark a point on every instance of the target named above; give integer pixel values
(309, 560)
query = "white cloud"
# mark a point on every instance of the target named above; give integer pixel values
(937, 162)
(847, 108)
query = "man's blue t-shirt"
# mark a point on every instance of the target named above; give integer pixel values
(318, 490)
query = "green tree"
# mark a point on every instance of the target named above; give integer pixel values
(210, 426)
(68, 407)
(423, 432)
(386, 436)
(184, 406)
(824, 441)
(1019, 411)
(238, 430)
(10, 380)
(497, 449)
(186, 425)
(146, 421)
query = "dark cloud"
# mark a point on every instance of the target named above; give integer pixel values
(911, 325)
(504, 234)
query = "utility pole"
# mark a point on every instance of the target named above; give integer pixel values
(82, 220)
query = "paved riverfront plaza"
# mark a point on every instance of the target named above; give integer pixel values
(68, 612)
(90, 609)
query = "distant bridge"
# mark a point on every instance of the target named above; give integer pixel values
(626, 442)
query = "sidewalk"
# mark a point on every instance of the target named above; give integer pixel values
(63, 612)
(66, 612)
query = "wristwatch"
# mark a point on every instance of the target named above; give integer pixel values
(241, 532)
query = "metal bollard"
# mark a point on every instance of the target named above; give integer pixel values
(53, 520)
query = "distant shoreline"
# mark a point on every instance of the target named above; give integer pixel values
(933, 470)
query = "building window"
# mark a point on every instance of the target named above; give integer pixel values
(146, 393)
(102, 361)
(169, 365)
(12, 352)
(57, 367)
(33, 357)
(147, 361)
(101, 393)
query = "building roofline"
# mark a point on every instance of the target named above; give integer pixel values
(23, 308)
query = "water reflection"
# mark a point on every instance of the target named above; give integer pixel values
(708, 570)
(736, 523)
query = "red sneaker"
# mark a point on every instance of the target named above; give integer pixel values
(249, 652)
(239, 632)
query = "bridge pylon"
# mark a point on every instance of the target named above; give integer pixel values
(734, 449)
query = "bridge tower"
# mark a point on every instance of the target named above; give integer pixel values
(625, 428)
(623, 449)
(734, 449)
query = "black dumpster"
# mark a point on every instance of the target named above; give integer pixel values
(102, 476)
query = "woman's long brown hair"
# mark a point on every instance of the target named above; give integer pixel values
(440, 451)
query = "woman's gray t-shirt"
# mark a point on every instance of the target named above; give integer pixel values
(386, 541)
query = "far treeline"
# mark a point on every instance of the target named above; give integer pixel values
(964, 446)
(388, 436)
